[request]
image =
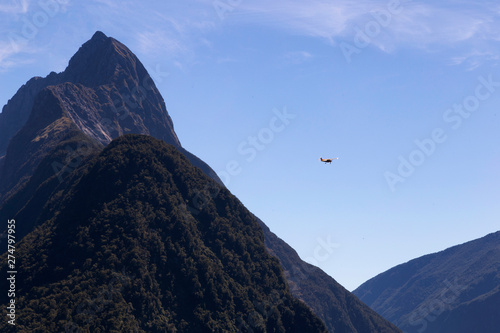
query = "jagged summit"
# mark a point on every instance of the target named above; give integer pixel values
(105, 91)
(104, 60)
(130, 101)
(99, 35)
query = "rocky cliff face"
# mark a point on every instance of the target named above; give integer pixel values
(125, 97)
(117, 92)
(47, 125)
(16, 112)
(105, 91)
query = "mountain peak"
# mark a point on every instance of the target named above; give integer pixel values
(100, 60)
(99, 35)
(105, 92)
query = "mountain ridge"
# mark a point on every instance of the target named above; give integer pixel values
(440, 291)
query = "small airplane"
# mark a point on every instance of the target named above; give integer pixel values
(328, 160)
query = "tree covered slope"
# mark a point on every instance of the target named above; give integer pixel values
(126, 250)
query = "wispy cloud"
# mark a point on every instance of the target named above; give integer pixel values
(14, 6)
(7, 53)
(412, 24)
(474, 59)
(159, 42)
(227, 60)
(297, 57)
(424, 25)
(176, 29)
(24, 28)
(317, 18)
(154, 29)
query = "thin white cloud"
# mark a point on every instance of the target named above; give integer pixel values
(11, 47)
(5, 62)
(448, 26)
(317, 18)
(159, 42)
(297, 57)
(8, 58)
(424, 25)
(227, 60)
(14, 6)
(24, 24)
(153, 29)
(175, 29)
(474, 59)
(412, 23)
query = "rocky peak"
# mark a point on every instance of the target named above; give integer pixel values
(105, 92)
(125, 91)
(104, 60)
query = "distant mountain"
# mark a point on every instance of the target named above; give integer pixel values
(453, 291)
(64, 121)
(122, 252)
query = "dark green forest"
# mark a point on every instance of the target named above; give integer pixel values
(136, 239)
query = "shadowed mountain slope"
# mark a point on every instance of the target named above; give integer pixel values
(122, 252)
(453, 291)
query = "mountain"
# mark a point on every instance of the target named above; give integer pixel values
(111, 94)
(122, 252)
(105, 92)
(70, 117)
(453, 291)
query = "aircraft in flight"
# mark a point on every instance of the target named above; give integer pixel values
(328, 160)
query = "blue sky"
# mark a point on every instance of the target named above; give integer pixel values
(405, 93)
